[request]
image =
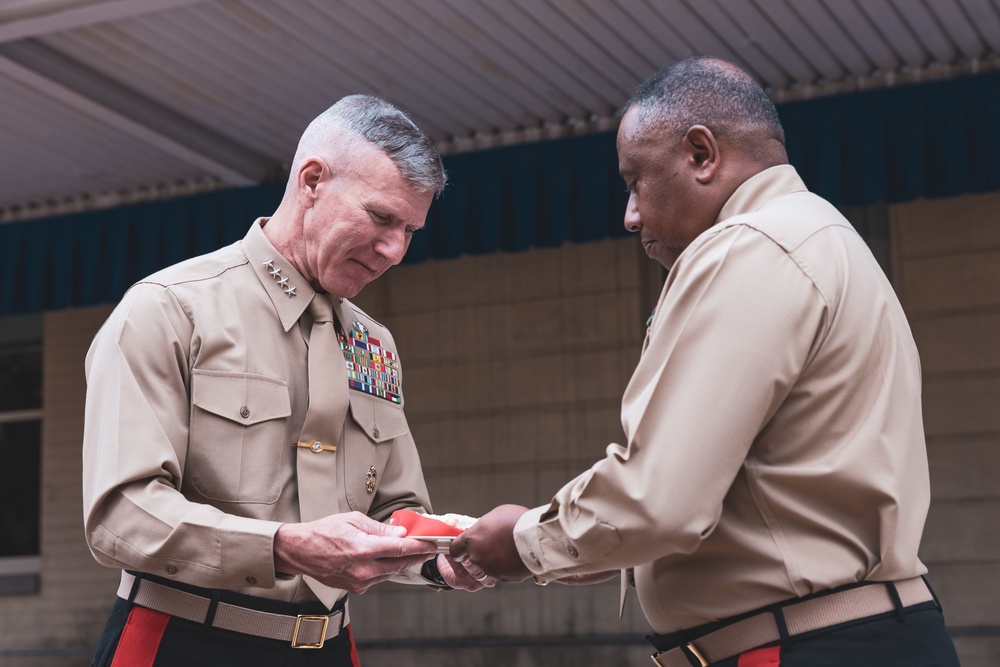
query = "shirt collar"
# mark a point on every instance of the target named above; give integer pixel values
(288, 290)
(760, 189)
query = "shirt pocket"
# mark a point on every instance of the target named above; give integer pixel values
(374, 423)
(238, 438)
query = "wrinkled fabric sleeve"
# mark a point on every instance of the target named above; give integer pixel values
(737, 321)
(134, 449)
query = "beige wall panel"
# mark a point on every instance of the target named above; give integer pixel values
(48, 660)
(947, 226)
(515, 438)
(530, 381)
(977, 651)
(964, 467)
(968, 592)
(570, 652)
(506, 277)
(947, 268)
(959, 344)
(962, 531)
(966, 405)
(476, 491)
(949, 282)
(508, 610)
(500, 331)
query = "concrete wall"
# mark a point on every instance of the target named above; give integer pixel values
(514, 365)
(947, 274)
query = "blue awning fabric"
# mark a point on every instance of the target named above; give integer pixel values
(937, 139)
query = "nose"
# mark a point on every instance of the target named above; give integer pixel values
(632, 221)
(392, 245)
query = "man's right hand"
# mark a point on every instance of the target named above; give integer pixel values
(349, 551)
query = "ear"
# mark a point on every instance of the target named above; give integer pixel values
(311, 174)
(704, 154)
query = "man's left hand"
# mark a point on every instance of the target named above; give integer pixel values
(487, 547)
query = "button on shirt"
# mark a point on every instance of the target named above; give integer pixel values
(197, 388)
(774, 441)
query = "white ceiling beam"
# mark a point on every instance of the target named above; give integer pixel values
(34, 18)
(104, 114)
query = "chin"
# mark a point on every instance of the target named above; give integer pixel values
(344, 286)
(660, 255)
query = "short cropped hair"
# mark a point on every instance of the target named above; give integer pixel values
(384, 126)
(706, 91)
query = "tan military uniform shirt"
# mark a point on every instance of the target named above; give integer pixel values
(197, 388)
(775, 445)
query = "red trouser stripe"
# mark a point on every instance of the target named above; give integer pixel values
(761, 657)
(140, 638)
(355, 661)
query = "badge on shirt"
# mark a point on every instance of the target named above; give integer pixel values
(371, 368)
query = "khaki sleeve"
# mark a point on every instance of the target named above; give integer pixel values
(134, 448)
(738, 320)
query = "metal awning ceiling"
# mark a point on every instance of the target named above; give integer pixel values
(109, 101)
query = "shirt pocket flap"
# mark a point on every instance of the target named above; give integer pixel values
(379, 419)
(244, 398)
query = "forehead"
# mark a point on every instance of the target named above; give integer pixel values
(637, 141)
(389, 192)
(630, 127)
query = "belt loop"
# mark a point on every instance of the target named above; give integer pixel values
(137, 579)
(779, 620)
(933, 594)
(890, 586)
(213, 605)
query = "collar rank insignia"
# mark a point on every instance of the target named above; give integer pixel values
(371, 368)
(282, 281)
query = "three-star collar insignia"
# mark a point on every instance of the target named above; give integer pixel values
(280, 279)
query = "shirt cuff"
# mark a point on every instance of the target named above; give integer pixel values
(248, 552)
(542, 541)
(528, 540)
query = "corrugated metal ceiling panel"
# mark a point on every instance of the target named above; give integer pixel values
(105, 95)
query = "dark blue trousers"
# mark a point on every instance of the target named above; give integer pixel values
(919, 640)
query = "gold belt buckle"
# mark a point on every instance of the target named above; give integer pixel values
(696, 653)
(322, 633)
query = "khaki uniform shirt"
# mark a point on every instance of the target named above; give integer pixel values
(197, 388)
(775, 444)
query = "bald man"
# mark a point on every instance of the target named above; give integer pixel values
(768, 503)
(200, 398)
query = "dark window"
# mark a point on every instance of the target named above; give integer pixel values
(20, 453)
(19, 487)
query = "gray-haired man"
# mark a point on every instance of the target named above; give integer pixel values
(242, 502)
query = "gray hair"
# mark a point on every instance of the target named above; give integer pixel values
(383, 125)
(710, 92)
